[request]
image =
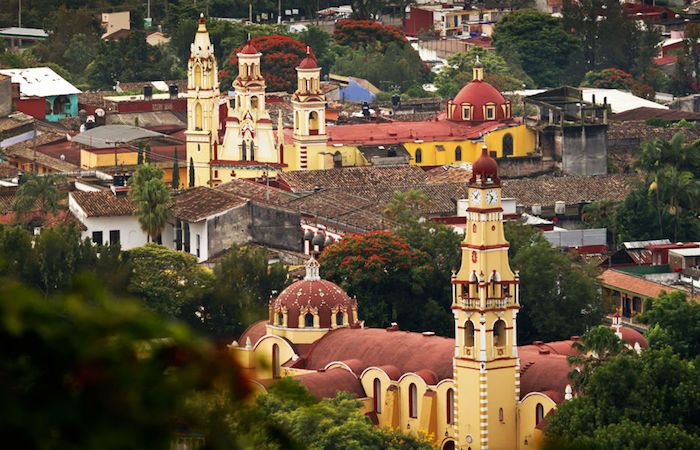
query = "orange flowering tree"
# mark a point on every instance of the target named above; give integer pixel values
(280, 57)
(359, 33)
(391, 279)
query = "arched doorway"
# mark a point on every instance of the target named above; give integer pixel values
(449, 445)
(508, 144)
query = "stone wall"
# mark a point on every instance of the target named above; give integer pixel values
(5, 96)
(275, 227)
(228, 229)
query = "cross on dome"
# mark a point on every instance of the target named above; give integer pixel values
(312, 270)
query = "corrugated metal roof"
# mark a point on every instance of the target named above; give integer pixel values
(111, 135)
(643, 244)
(21, 32)
(40, 82)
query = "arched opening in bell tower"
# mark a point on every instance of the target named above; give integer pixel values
(499, 333)
(197, 75)
(313, 123)
(469, 334)
(198, 117)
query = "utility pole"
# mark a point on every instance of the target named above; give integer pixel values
(20, 14)
(279, 11)
(33, 139)
(250, 12)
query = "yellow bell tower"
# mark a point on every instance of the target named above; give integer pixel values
(202, 106)
(309, 103)
(485, 305)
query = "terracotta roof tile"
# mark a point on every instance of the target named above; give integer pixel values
(327, 384)
(547, 190)
(257, 192)
(103, 203)
(198, 203)
(637, 285)
(644, 113)
(307, 180)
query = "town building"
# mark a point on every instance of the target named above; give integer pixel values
(17, 36)
(43, 94)
(115, 23)
(477, 391)
(244, 142)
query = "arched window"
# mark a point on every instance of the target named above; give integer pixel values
(490, 112)
(450, 406)
(252, 151)
(499, 333)
(275, 361)
(500, 414)
(337, 159)
(469, 333)
(413, 401)
(198, 117)
(377, 388)
(244, 151)
(254, 102)
(507, 144)
(339, 316)
(449, 445)
(419, 156)
(313, 123)
(458, 153)
(280, 319)
(308, 320)
(197, 75)
(539, 413)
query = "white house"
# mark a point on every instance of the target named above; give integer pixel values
(108, 217)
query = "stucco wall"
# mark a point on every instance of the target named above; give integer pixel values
(585, 150)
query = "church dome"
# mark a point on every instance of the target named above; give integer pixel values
(478, 101)
(249, 49)
(485, 168)
(309, 62)
(325, 301)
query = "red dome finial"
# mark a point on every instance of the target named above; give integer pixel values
(249, 49)
(485, 169)
(309, 62)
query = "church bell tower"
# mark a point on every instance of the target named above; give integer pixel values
(485, 305)
(202, 106)
(309, 105)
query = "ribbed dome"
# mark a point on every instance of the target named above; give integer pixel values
(485, 168)
(477, 94)
(309, 62)
(312, 294)
(249, 49)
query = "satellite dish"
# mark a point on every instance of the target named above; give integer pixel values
(99, 112)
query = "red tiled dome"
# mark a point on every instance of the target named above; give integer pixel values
(478, 93)
(314, 293)
(485, 167)
(249, 49)
(310, 61)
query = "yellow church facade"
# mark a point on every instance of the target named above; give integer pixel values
(478, 391)
(245, 142)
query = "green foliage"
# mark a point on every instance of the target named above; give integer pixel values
(594, 348)
(38, 193)
(175, 183)
(458, 72)
(632, 401)
(611, 39)
(244, 284)
(674, 322)
(336, 423)
(387, 275)
(320, 43)
(558, 295)
(81, 50)
(543, 47)
(169, 282)
(657, 122)
(152, 198)
(132, 59)
(96, 373)
(398, 65)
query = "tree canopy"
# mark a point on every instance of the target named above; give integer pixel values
(539, 44)
(674, 321)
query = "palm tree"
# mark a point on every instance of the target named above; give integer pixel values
(594, 348)
(152, 199)
(38, 193)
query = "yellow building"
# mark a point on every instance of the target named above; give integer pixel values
(475, 392)
(246, 145)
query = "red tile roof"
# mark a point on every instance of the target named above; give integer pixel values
(198, 203)
(401, 132)
(615, 279)
(321, 295)
(103, 203)
(364, 176)
(327, 384)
